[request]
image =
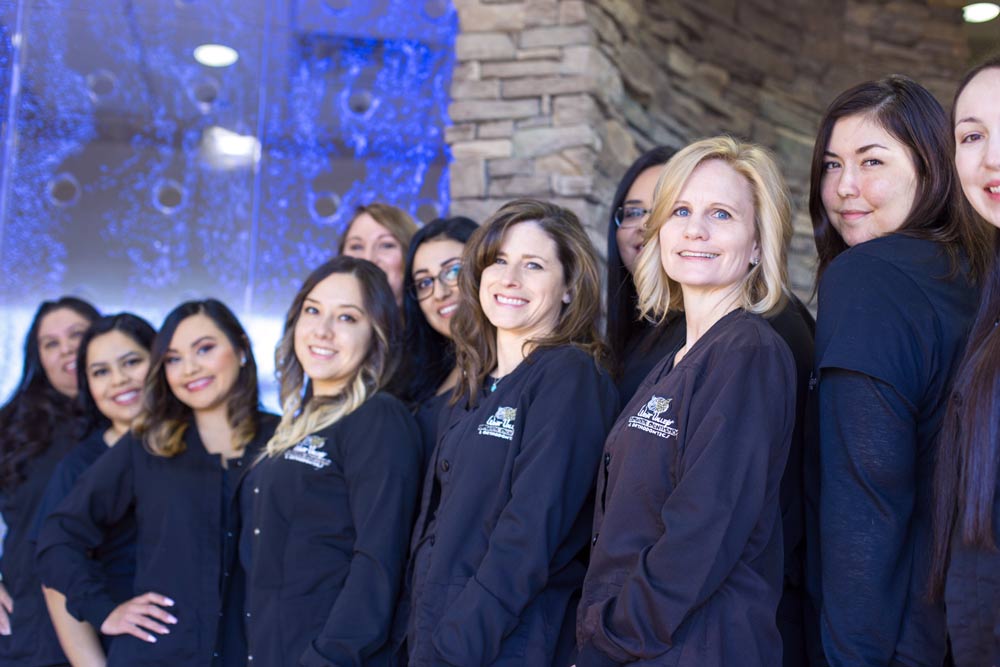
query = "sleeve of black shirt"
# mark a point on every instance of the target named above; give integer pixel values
(381, 451)
(563, 433)
(867, 491)
(102, 496)
(739, 415)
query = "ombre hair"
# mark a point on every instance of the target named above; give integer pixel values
(396, 220)
(164, 418)
(764, 287)
(304, 413)
(474, 334)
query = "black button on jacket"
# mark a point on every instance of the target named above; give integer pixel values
(329, 535)
(505, 517)
(33, 641)
(185, 548)
(686, 568)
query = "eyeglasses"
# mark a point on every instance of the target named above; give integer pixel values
(424, 287)
(630, 217)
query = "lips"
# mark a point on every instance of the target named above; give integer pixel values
(126, 397)
(691, 254)
(514, 301)
(448, 310)
(199, 384)
(70, 366)
(321, 352)
(852, 214)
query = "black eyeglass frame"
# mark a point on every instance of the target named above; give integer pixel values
(440, 277)
(620, 213)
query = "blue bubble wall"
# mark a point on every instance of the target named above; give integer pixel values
(133, 176)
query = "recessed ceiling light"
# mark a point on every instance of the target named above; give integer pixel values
(216, 55)
(980, 12)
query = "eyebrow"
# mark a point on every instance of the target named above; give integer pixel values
(338, 305)
(122, 357)
(633, 201)
(968, 119)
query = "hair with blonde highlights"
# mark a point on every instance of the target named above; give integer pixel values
(302, 412)
(764, 287)
(396, 220)
(474, 334)
(164, 418)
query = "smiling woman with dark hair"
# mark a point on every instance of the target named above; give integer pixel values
(176, 473)
(897, 293)
(36, 430)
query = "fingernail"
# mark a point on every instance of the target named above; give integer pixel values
(171, 620)
(168, 602)
(152, 639)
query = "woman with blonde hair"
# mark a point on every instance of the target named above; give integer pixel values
(505, 516)
(381, 233)
(334, 494)
(686, 564)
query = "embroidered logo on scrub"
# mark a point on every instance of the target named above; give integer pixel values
(307, 452)
(648, 418)
(500, 425)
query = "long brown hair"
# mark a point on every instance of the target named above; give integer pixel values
(302, 412)
(965, 480)
(911, 114)
(396, 220)
(164, 419)
(475, 335)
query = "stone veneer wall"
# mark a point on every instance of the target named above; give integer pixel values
(554, 98)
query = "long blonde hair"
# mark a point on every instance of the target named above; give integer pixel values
(764, 287)
(302, 412)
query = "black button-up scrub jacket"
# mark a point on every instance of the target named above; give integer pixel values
(686, 567)
(328, 539)
(185, 548)
(505, 517)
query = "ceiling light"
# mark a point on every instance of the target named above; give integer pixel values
(224, 149)
(215, 55)
(980, 12)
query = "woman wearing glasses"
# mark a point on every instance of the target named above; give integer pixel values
(430, 301)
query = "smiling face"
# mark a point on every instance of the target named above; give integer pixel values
(59, 334)
(434, 259)
(638, 197)
(869, 180)
(709, 239)
(201, 365)
(116, 370)
(522, 293)
(977, 143)
(367, 239)
(333, 333)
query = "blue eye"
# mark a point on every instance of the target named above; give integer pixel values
(533, 265)
(499, 260)
(719, 214)
(682, 211)
(451, 273)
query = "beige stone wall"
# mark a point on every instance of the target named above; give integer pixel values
(554, 98)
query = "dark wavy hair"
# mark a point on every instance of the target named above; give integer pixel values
(623, 318)
(968, 461)
(164, 419)
(429, 357)
(472, 331)
(28, 419)
(133, 326)
(911, 114)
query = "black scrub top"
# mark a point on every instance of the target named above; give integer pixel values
(892, 324)
(686, 564)
(33, 642)
(500, 541)
(329, 535)
(117, 553)
(184, 548)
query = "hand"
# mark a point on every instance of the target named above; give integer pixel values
(6, 609)
(135, 616)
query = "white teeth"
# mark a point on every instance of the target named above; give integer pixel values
(321, 351)
(448, 310)
(510, 301)
(994, 190)
(126, 397)
(198, 384)
(71, 366)
(706, 255)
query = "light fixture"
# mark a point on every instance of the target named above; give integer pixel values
(216, 55)
(980, 12)
(224, 149)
